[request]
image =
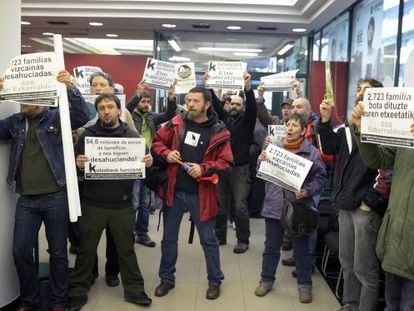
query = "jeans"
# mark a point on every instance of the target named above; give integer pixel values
(271, 256)
(234, 187)
(31, 210)
(169, 244)
(141, 202)
(358, 232)
(398, 293)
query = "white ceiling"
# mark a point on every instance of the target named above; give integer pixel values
(138, 19)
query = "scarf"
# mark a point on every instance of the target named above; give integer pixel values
(293, 146)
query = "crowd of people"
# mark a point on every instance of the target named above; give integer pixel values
(372, 187)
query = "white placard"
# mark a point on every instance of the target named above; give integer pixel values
(31, 76)
(185, 78)
(159, 74)
(114, 158)
(276, 132)
(388, 116)
(82, 75)
(225, 75)
(279, 82)
(284, 168)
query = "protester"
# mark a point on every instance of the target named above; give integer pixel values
(36, 167)
(194, 144)
(106, 204)
(295, 142)
(395, 244)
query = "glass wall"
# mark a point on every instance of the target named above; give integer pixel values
(373, 44)
(334, 42)
(259, 51)
(406, 77)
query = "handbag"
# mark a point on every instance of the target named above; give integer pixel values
(299, 218)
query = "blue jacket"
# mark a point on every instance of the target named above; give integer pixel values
(48, 132)
(314, 182)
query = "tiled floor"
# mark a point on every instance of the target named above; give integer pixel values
(242, 274)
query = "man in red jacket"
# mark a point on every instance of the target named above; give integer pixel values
(194, 144)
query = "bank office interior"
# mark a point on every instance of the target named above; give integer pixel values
(353, 50)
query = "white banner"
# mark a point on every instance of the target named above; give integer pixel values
(284, 168)
(226, 75)
(185, 77)
(276, 133)
(82, 75)
(159, 74)
(30, 77)
(279, 82)
(388, 115)
(114, 158)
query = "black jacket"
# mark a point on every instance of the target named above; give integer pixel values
(352, 180)
(106, 193)
(241, 129)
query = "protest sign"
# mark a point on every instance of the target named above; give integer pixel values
(82, 75)
(284, 168)
(225, 75)
(276, 133)
(30, 77)
(114, 158)
(279, 82)
(388, 115)
(159, 74)
(185, 78)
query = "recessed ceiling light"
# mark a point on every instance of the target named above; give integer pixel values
(25, 46)
(169, 25)
(299, 29)
(25, 23)
(233, 27)
(97, 24)
(48, 33)
(111, 35)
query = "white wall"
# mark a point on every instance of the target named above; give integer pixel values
(10, 14)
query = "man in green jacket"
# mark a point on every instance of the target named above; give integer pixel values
(395, 243)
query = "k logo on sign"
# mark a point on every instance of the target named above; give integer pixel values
(192, 138)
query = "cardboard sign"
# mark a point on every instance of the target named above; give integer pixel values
(82, 75)
(114, 158)
(31, 77)
(388, 116)
(284, 168)
(225, 75)
(159, 74)
(185, 78)
(279, 82)
(276, 133)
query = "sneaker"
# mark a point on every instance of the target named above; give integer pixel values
(262, 290)
(240, 248)
(140, 299)
(289, 262)
(145, 240)
(305, 297)
(163, 288)
(112, 280)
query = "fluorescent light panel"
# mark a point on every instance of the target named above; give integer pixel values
(174, 45)
(206, 48)
(285, 49)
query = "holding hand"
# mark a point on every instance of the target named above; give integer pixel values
(194, 170)
(302, 193)
(64, 76)
(147, 159)
(261, 89)
(81, 160)
(247, 81)
(174, 157)
(356, 115)
(171, 91)
(325, 110)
